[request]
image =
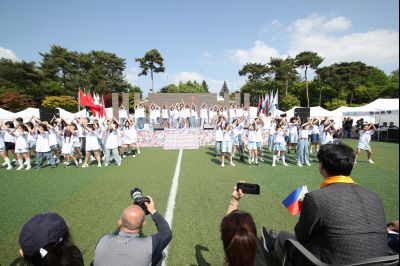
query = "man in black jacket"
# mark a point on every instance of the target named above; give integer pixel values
(340, 223)
(128, 248)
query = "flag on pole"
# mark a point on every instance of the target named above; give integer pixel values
(274, 103)
(266, 105)
(294, 201)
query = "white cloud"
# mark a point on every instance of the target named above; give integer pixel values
(206, 57)
(132, 75)
(315, 33)
(337, 24)
(7, 54)
(273, 25)
(260, 53)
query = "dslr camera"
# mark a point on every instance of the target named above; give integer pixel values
(138, 199)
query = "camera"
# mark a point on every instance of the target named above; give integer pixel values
(138, 199)
(283, 115)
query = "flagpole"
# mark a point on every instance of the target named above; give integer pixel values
(79, 99)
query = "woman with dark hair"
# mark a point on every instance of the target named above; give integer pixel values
(45, 240)
(239, 236)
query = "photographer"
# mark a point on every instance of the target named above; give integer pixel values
(239, 235)
(128, 248)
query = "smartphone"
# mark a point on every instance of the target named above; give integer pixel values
(248, 188)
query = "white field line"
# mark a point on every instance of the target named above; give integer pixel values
(169, 214)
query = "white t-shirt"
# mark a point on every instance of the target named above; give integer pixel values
(67, 145)
(8, 137)
(42, 142)
(21, 140)
(365, 136)
(303, 134)
(239, 112)
(164, 113)
(251, 136)
(219, 135)
(279, 136)
(122, 114)
(203, 113)
(112, 140)
(139, 112)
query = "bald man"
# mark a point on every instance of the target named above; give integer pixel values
(127, 247)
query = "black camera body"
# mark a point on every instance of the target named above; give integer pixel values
(138, 199)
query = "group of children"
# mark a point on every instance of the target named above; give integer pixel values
(181, 115)
(77, 142)
(281, 136)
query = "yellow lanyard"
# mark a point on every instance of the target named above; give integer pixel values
(337, 179)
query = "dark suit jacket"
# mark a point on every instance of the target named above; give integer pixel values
(343, 223)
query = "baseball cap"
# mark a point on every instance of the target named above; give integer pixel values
(41, 230)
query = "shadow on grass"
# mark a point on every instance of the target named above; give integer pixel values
(199, 256)
(17, 262)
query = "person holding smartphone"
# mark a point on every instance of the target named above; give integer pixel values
(239, 235)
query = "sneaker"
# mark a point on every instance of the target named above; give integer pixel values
(299, 165)
(307, 163)
(92, 159)
(269, 239)
(370, 161)
(28, 167)
(77, 164)
(58, 161)
(232, 164)
(4, 164)
(85, 165)
(261, 159)
(99, 165)
(138, 152)
(20, 167)
(106, 164)
(249, 161)
(80, 161)
(37, 168)
(222, 165)
(285, 164)
(134, 156)
(123, 156)
(9, 167)
(66, 165)
(118, 164)
(273, 165)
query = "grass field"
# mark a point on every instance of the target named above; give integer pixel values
(91, 199)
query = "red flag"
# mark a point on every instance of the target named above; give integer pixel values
(103, 107)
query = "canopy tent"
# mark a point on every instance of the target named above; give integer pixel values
(6, 115)
(27, 114)
(378, 111)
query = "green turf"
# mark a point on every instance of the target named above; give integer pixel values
(91, 199)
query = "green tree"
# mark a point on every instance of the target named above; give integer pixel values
(254, 71)
(224, 89)
(205, 86)
(132, 91)
(152, 61)
(306, 60)
(334, 104)
(284, 71)
(66, 102)
(288, 101)
(391, 90)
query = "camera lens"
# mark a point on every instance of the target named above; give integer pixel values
(136, 193)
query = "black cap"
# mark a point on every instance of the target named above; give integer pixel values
(41, 230)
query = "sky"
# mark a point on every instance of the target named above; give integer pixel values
(204, 40)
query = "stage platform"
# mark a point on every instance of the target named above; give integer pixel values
(179, 138)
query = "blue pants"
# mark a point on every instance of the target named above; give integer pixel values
(202, 122)
(48, 156)
(303, 154)
(218, 147)
(140, 123)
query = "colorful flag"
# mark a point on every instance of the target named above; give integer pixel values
(274, 103)
(294, 201)
(266, 106)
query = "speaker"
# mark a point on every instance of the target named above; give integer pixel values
(46, 114)
(209, 126)
(158, 127)
(393, 134)
(303, 113)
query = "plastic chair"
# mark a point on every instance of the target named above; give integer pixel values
(296, 248)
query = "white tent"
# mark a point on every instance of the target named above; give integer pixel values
(378, 111)
(28, 113)
(6, 115)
